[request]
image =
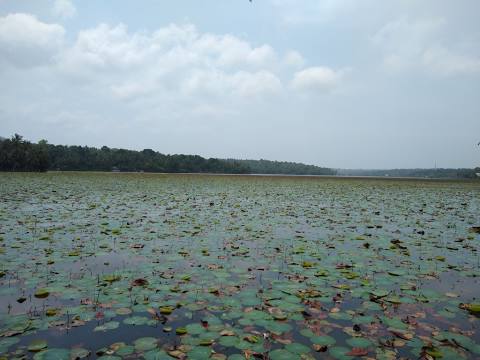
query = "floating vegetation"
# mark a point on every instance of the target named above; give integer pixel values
(114, 266)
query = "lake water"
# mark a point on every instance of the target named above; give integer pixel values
(157, 266)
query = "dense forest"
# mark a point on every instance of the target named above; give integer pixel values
(281, 167)
(17, 154)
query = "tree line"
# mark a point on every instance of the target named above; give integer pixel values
(283, 167)
(17, 154)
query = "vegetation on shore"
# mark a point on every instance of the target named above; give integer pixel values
(17, 154)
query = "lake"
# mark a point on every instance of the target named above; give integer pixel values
(112, 266)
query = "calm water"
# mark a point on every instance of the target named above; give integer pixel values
(276, 267)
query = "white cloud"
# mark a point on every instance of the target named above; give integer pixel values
(253, 84)
(64, 9)
(317, 79)
(105, 46)
(26, 41)
(294, 58)
(407, 44)
(230, 51)
(170, 47)
(242, 83)
(173, 57)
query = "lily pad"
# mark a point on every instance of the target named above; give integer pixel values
(42, 293)
(37, 345)
(145, 344)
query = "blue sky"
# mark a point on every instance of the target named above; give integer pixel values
(339, 83)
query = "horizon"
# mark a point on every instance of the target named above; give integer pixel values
(335, 84)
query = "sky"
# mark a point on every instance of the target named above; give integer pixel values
(336, 83)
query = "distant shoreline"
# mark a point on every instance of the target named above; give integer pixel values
(340, 177)
(21, 155)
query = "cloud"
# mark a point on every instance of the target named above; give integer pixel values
(172, 58)
(294, 58)
(172, 46)
(26, 41)
(64, 9)
(252, 84)
(316, 79)
(230, 51)
(105, 46)
(417, 44)
(242, 83)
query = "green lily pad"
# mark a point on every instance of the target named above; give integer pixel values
(281, 354)
(53, 354)
(42, 293)
(200, 353)
(111, 325)
(166, 310)
(297, 348)
(136, 320)
(324, 340)
(181, 331)
(123, 311)
(359, 342)
(111, 278)
(340, 353)
(79, 353)
(145, 344)
(37, 345)
(156, 354)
